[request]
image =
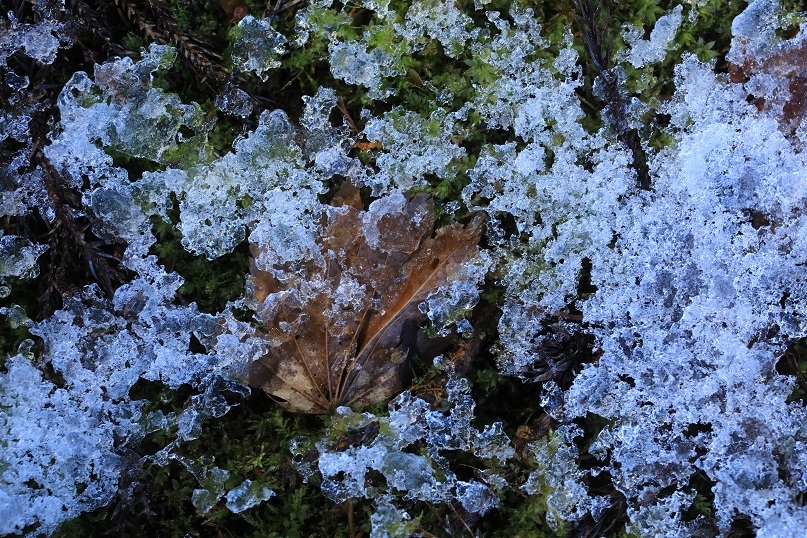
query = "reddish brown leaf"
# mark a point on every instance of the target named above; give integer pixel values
(786, 65)
(336, 336)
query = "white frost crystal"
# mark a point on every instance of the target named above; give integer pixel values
(643, 52)
(353, 63)
(413, 147)
(18, 257)
(258, 46)
(246, 495)
(693, 297)
(557, 479)
(56, 439)
(696, 285)
(411, 420)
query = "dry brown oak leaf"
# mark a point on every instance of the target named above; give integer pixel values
(336, 335)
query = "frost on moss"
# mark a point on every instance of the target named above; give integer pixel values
(18, 257)
(62, 441)
(645, 51)
(419, 477)
(693, 287)
(413, 147)
(557, 485)
(694, 298)
(257, 46)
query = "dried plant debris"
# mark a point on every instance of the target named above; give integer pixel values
(774, 72)
(339, 327)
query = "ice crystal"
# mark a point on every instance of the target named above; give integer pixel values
(258, 46)
(442, 21)
(419, 477)
(353, 63)
(40, 41)
(695, 285)
(687, 300)
(560, 485)
(60, 438)
(18, 257)
(413, 147)
(246, 495)
(234, 101)
(448, 304)
(643, 52)
(388, 521)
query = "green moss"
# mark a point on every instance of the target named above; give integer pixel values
(211, 284)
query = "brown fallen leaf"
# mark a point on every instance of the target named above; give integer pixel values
(366, 146)
(785, 66)
(235, 9)
(337, 336)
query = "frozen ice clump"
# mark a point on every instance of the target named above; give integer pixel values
(643, 52)
(246, 495)
(566, 496)
(695, 298)
(354, 63)
(413, 147)
(120, 111)
(449, 304)
(57, 456)
(40, 41)
(419, 477)
(770, 66)
(327, 145)
(211, 478)
(23, 188)
(219, 199)
(520, 81)
(388, 521)
(755, 28)
(18, 257)
(61, 441)
(264, 184)
(382, 212)
(697, 283)
(435, 19)
(308, 21)
(257, 46)
(234, 101)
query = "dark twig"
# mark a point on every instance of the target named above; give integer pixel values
(70, 236)
(156, 23)
(594, 27)
(90, 21)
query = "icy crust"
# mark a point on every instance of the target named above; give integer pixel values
(413, 147)
(425, 475)
(418, 476)
(698, 282)
(257, 46)
(265, 187)
(263, 184)
(562, 185)
(437, 20)
(646, 51)
(695, 322)
(50, 446)
(18, 257)
(560, 484)
(40, 41)
(62, 441)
